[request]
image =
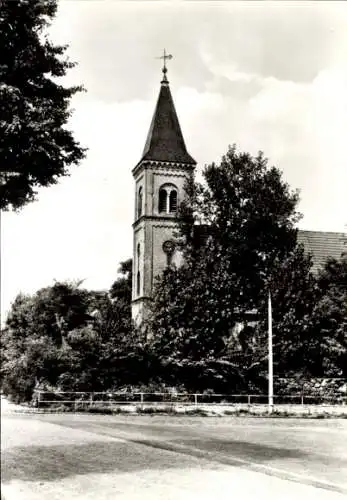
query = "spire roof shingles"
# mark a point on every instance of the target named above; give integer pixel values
(165, 139)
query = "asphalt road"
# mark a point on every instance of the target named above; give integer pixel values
(278, 458)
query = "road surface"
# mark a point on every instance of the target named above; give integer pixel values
(68, 456)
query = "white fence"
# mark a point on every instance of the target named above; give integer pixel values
(83, 400)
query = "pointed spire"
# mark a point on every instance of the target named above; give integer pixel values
(165, 139)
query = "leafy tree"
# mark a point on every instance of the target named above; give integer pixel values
(294, 293)
(72, 339)
(328, 354)
(126, 354)
(36, 147)
(120, 297)
(238, 235)
(58, 309)
(121, 288)
(36, 332)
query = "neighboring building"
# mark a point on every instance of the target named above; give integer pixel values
(159, 177)
(322, 245)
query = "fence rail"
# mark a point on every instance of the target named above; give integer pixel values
(78, 400)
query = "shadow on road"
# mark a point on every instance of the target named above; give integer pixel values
(50, 463)
(56, 462)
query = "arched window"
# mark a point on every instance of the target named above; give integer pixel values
(173, 201)
(138, 275)
(138, 283)
(162, 200)
(139, 202)
(167, 199)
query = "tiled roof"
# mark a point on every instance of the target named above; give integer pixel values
(322, 245)
(165, 139)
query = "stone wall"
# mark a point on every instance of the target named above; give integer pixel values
(329, 388)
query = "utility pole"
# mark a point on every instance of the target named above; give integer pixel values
(270, 355)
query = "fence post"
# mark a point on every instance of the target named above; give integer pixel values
(38, 399)
(91, 400)
(249, 399)
(195, 399)
(302, 400)
(141, 400)
(75, 404)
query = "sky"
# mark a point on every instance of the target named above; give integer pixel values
(266, 76)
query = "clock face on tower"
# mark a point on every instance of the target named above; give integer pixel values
(169, 247)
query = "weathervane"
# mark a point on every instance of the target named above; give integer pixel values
(165, 57)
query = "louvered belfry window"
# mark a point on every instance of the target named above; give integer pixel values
(162, 200)
(167, 203)
(173, 201)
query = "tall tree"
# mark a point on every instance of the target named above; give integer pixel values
(328, 355)
(120, 294)
(238, 231)
(36, 147)
(121, 288)
(294, 293)
(72, 339)
(36, 336)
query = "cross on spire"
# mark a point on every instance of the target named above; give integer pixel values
(165, 57)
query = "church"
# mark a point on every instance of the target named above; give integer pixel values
(160, 177)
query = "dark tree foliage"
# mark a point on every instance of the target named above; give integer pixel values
(252, 215)
(121, 288)
(36, 336)
(36, 148)
(238, 234)
(68, 338)
(294, 294)
(120, 294)
(328, 355)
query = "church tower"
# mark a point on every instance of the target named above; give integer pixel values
(159, 178)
